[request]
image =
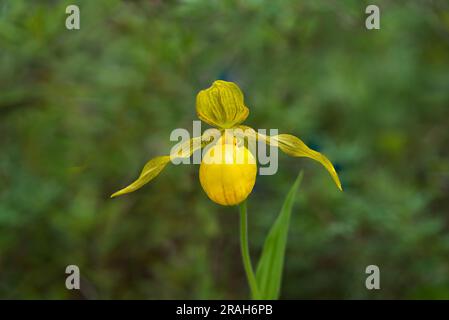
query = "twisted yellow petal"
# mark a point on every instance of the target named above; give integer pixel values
(295, 147)
(153, 167)
(221, 105)
(187, 148)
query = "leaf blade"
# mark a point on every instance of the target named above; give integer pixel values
(271, 263)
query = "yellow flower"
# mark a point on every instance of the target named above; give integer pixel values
(226, 180)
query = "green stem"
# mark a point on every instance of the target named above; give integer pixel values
(245, 251)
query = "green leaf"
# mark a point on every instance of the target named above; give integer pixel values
(269, 269)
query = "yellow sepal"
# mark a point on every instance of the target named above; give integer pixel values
(221, 105)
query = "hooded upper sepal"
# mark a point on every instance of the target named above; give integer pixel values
(221, 105)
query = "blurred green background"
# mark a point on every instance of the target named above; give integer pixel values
(82, 111)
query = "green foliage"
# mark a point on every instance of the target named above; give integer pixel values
(271, 263)
(82, 111)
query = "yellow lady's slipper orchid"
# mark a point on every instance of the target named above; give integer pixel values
(227, 181)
